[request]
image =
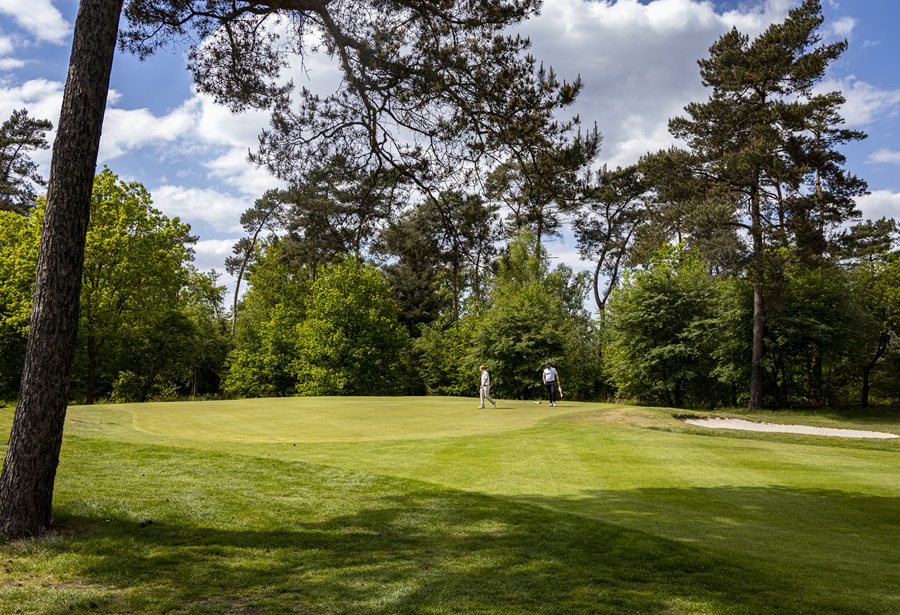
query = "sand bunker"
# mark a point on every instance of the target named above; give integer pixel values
(721, 423)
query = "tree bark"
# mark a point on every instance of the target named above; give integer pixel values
(867, 370)
(757, 373)
(26, 483)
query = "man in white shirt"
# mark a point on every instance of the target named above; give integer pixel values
(485, 388)
(551, 381)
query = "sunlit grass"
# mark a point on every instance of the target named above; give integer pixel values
(395, 505)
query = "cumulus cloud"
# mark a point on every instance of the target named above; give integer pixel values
(209, 255)
(880, 204)
(10, 64)
(39, 18)
(865, 103)
(42, 99)
(638, 61)
(220, 211)
(128, 129)
(843, 27)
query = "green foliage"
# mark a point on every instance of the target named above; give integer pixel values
(275, 303)
(19, 240)
(351, 340)
(876, 282)
(446, 363)
(131, 312)
(660, 332)
(144, 308)
(262, 366)
(815, 330)
(19, 177)
(733, 336)
(536, 314)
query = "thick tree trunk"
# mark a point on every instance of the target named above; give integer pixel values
(26, 484)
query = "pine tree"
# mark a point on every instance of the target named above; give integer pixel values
(759, 136)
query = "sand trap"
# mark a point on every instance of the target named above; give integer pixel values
(720, 423)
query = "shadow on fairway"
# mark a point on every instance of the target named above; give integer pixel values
(422, 551)
(839, 549)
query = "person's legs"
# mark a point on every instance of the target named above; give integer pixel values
(482, 393)
(486, 394)
(551, 392)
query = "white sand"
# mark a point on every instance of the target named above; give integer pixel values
(720, 423)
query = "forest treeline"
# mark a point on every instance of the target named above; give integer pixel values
(734, 269)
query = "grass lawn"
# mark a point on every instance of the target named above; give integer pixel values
(428, 505)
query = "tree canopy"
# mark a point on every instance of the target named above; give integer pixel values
(19, 177)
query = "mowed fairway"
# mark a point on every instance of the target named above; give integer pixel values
(429, 505)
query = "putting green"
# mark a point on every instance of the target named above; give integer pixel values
(332, 419)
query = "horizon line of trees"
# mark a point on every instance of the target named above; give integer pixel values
(732, 271)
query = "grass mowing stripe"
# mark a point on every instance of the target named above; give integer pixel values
(614, 511)
(232, 531)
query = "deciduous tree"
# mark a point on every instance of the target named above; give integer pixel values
(20, 237)
(658, 342)
(134, 269)
(350, 343)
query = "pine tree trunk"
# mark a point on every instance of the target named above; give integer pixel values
(26, 484)
(757, 374)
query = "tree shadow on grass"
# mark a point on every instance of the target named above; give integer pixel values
(837, 549)
(418, 550)
(248, 535)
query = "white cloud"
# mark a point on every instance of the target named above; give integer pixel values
(884, 155)
(42, 97)
(209, 134)
(10, 64)
(211, 253)
(128, 129)
(880, 204)
(43, 100)
(38, 17)
(843, 27)
(235, 170)
(211, 207)
(865, 103)
(638, 61)
(216, 124)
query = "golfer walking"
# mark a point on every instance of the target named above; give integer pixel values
(551, 381)
(485, 388)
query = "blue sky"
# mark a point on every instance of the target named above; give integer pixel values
(638, 60)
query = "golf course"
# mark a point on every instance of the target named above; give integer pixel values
(388, 505)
